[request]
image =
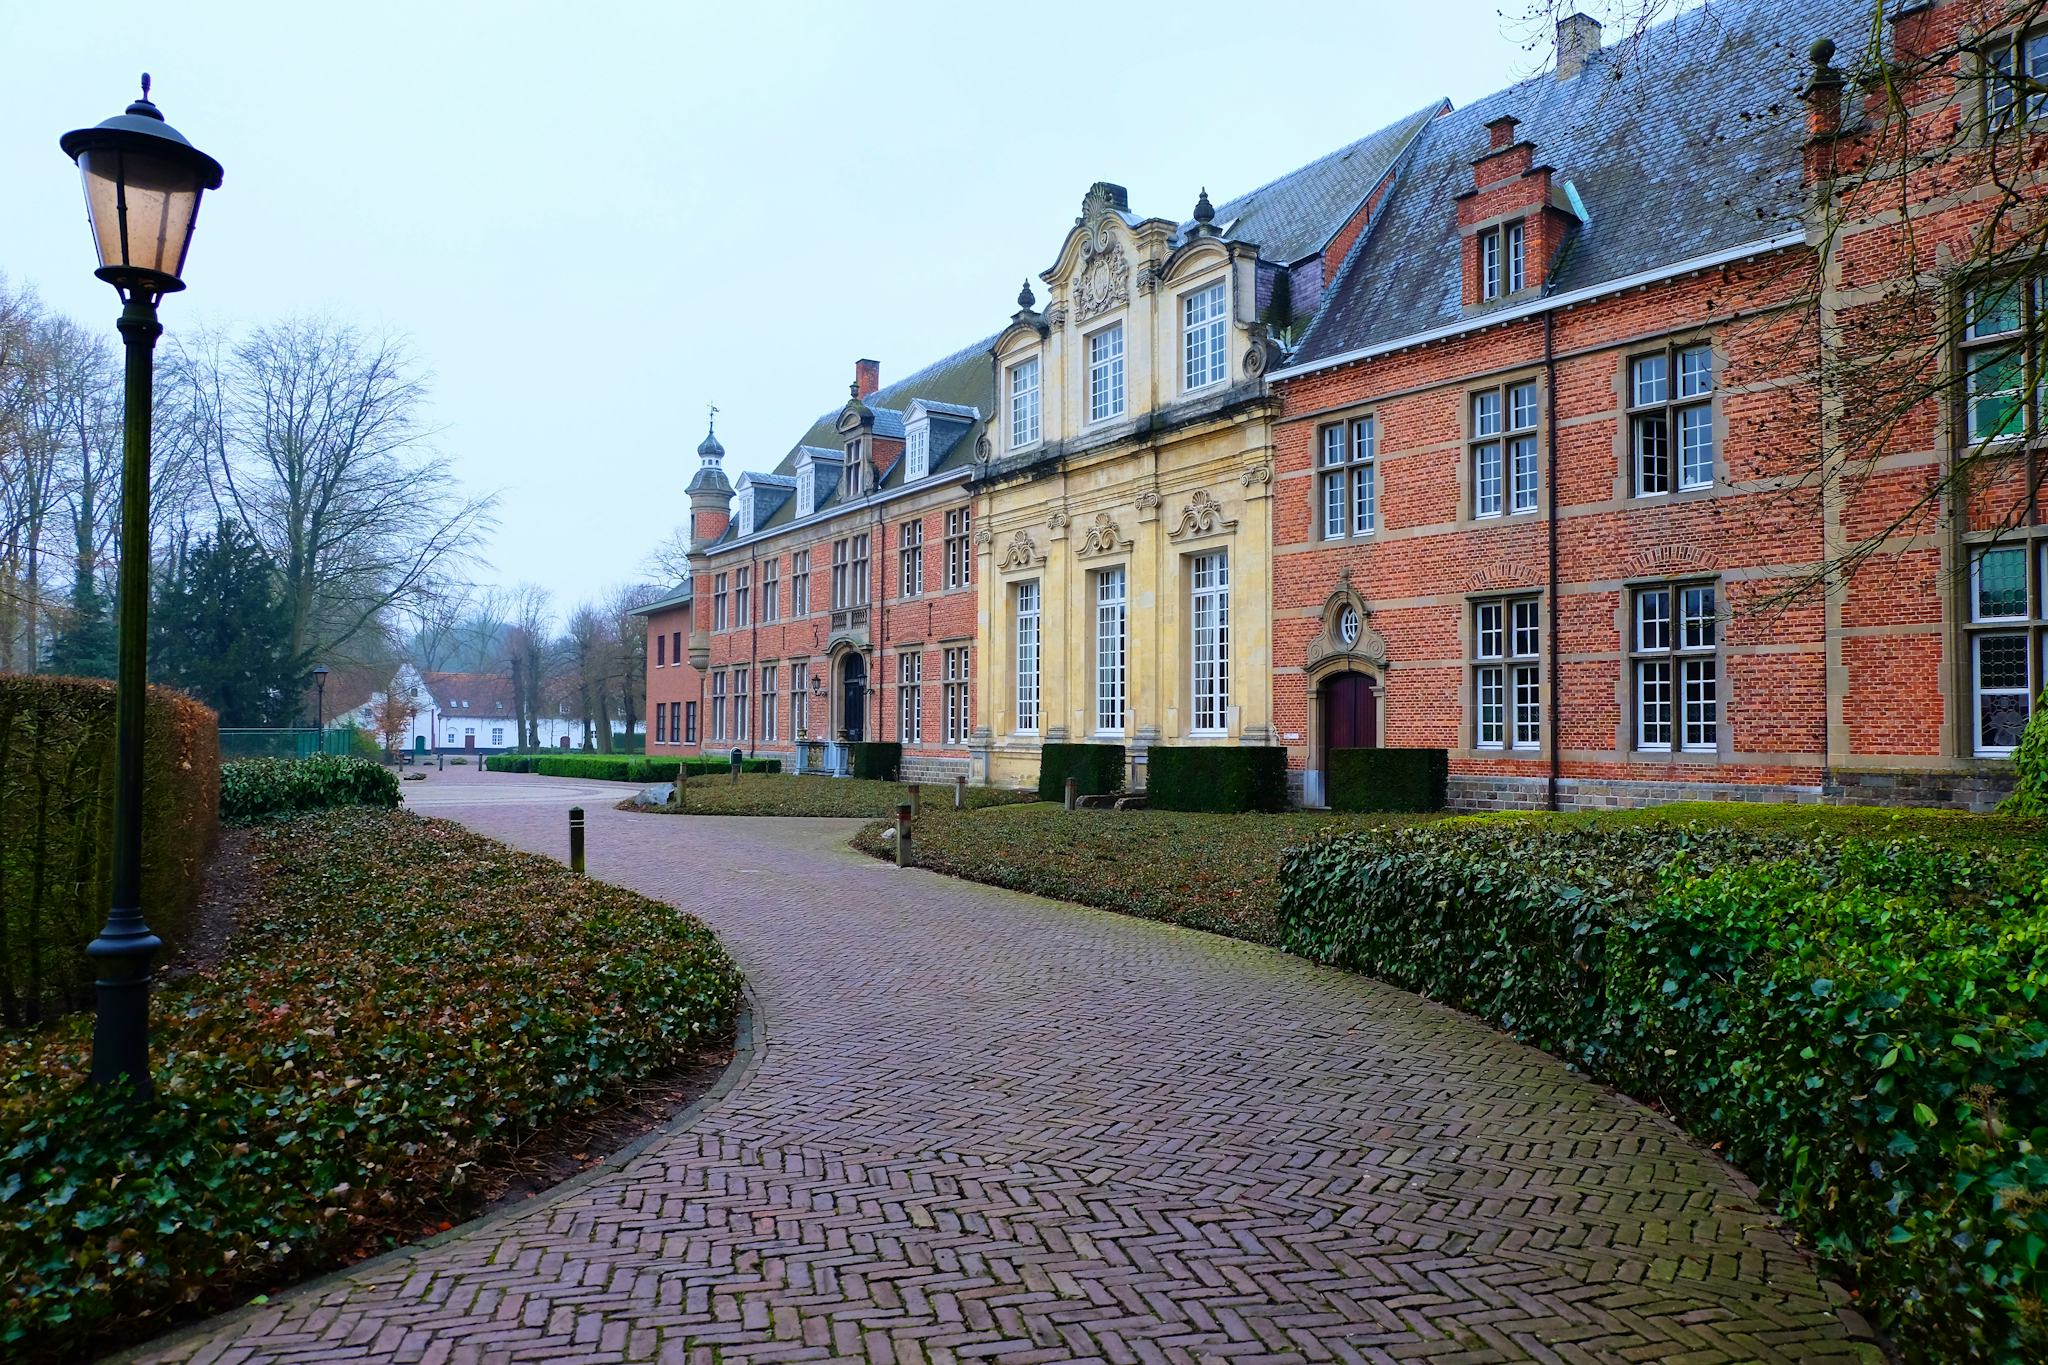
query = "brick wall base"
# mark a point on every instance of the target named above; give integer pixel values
(933, 768)
(1971, 791)
(1974, 791)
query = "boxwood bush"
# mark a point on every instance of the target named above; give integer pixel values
(253, 789)
(411, 1003)
(1856, 1022)
(1216, 777)
(1097, 770)
(622, 767)
(1387, 779)
(57, 822)
(877, 760)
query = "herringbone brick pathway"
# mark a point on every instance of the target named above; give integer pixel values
(975, 1125)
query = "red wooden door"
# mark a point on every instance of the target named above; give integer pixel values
(1351, 716)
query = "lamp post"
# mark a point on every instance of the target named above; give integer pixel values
(320, 706)
(143, 182)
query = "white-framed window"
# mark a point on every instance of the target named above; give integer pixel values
(1112, 673)
(689, 722)
(771, 592)
(853, 474)
(1346, 483)
(959, 548)
(1024, 427)
(1504, 450)
(497, 736)
(1674, 639)
(720, 593)
(718, 706)
(1501, 267)
(910, 698)
(1209, 632)
(1507, 673)
(1671, 419)
(1997, 320)
(799, 699)
(862, 584)
(1204, 337)
(957, 713)
(2015, 71)
(800, 583)
(742, 592)
(1024, 603)
(910, 551)
(741, 711)
(917, 451)
(769, 701)
(1106, 373)
(2007, 639)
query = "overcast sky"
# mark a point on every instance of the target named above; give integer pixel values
(593, 220)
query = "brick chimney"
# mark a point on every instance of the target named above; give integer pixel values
(1578, 37)
(867, 377)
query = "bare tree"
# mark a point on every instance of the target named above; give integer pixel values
(670, 561)
(315, 437)
(531, 656)
(629, 649)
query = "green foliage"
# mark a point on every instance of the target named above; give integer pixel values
(784, 794)
(1854, 1022)
(622, 767)
(876, 760)
(57, 778)
(1387, 779)
(1215, 872)
(1217, 777)
(411, 1003)
(254, 789)
(2030, 765)
(220, 630)
(87, 646)
(1097, 769)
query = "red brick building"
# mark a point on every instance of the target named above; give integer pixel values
(675, 689)
(1561, 479)
(834, 595)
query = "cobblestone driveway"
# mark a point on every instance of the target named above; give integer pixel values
(978, 1125)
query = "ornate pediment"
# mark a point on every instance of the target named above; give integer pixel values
(1102, 537)
(1103, 280)
(1203, 516)
(1022, 552)
(1347, 635)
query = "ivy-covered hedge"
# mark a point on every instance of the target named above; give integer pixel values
(56, 829)
(1216, 777)
(1097, 770)
(412, 1002)
(1856, 1023)
(1388, 779)
(622, 767)
(253, 789)
(2030, 765)
(876, 760)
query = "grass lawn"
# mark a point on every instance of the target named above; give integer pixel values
(1215, 872)
(404, 1004)
(788, 794)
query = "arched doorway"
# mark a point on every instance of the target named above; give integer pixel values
(1351, 714)
(853, 696)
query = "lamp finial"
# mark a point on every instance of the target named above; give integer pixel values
(145, 85)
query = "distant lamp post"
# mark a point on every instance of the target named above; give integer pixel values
(320, 706)
(143, 181)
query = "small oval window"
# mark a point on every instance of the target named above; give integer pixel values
(1347, 625)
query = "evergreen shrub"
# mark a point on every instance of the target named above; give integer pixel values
(877, 760)
(1387, 779)
(1097, 770)
(253, 789)
(1216, 777)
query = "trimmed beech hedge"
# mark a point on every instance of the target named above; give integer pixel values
(56, 829)
(877, 760)
(1387, 779)
(408, 1005)
(1216, 777)
(1097, 770)
(622, 767)
(254, 789)
(1856, 1023)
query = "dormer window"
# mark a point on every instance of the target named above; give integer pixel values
(917, 451)
(1204, 337)
(850, 477)
(2015, 67)
(1501, 261)
(1106, 373)
(1024, 427)
(806, 490)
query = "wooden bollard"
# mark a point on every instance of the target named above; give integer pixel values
(1073, 792)
(960, 792)
(576, 840)
(916, 800)
(903, 835)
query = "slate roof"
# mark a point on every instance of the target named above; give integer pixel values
(674, 597)
(1295, 216)
(1682, 143)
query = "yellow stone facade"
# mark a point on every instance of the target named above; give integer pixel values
(1164, 495)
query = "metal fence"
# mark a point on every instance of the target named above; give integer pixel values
(289, 742)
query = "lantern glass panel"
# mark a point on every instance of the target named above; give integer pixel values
(161, 197)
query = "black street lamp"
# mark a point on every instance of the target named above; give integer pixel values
(143, 181)
(320, 705)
